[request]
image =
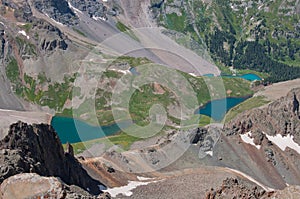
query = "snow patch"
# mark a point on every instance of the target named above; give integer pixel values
(126, 190)
(193, 74)
(73, 8)
(140, 178)
(121, 71)
(247, 139)
(53, 20)
(22, 32)
(3, 24)
(99, 18)
(211, 153)
(283, 142)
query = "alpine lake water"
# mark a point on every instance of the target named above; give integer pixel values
(217, 109)
(73, 130)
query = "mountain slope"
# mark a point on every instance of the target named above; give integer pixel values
(246, 147)
(262, 36)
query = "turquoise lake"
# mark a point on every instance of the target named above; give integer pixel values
(217, 109)
(73, 130)
(249, 76)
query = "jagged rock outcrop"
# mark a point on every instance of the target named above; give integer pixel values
(37, 149)
(94, 9)
(277, 118)
(31, 185)
(22, 10)
(235, 188)
(58, 10)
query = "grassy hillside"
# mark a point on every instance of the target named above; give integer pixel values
(251, 103)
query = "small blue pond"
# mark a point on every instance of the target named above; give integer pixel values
(209, 75)
(72, 130)
(217, 109)
(249, 77)
(134, 71)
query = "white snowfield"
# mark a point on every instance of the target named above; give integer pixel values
(283, 142)
(140, 178)
(247, 139)
(126, 190)
(58, 23)
(211, 153)
(22, 32)
(73, 8)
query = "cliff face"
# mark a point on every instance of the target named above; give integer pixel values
(280, 117)
(37, 149)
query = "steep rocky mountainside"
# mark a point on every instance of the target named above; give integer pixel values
(58, 10)
(42, 57)
(243, 34)
(280, 117)
(36, 57)
(37, 149)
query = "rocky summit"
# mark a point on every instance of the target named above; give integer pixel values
(37, 149)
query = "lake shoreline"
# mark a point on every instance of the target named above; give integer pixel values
(245, 97)
(223, 105)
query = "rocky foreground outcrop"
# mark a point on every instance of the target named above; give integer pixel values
(31, 185)
(234, 188)
(37, 149)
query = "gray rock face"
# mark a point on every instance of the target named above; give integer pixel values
(22, 9)
(278, 118)
(92, 8)
(234, 188)
(58, 10)
(205, 139)
(37, 149)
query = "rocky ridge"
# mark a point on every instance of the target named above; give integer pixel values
(58, 10)
(37, 149)
(279, 117)
(235, 188)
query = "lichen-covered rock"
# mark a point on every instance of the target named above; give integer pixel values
(31, 185)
